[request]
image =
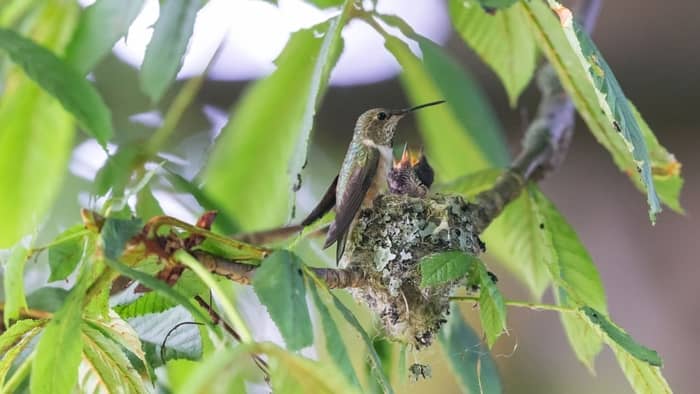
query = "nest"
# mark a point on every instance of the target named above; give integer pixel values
(387, 244)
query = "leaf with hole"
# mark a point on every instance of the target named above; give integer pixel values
(492, 308)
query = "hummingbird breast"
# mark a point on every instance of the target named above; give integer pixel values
(379, 181)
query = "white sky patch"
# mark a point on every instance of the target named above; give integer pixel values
(255, 32)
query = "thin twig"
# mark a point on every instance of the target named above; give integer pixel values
(521, 304)
(29, 313)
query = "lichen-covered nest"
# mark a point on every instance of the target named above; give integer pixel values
(388, 242)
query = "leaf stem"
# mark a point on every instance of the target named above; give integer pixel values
(30, 313)
(523, 304)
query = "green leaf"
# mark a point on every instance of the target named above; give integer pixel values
(440, 268)
(281, 108)
(36, 135)
(48, 299)
(335, 346)
(468, 358)
(492, 308)
(116, 233)
(214, 374)
(279, 284)
(60, 344)
(471, 184)
(290, 372)
(146, 204)
(15, 340)
(621, 338)
(152, 283)
(496, 4)
(151, 302)
(116, 172)
(575, 277)
(664, 167)
(520, 244)
(104, 367)
(100, 26)
(640, 365)
(326, 3)
(14, 284)
(73, 91)
(462, 133)
(124, 335)
(590, 83)
(167, 48)
(66, 251)
(503, 40)
(183, 342)
(374, 360)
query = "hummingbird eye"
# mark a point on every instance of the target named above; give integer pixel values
(382, 116)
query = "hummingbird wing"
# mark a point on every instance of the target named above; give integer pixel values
(326, 204)
(359, 181)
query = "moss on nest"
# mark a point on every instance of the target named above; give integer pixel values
(388, 242)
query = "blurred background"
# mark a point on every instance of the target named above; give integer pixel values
(650, 272)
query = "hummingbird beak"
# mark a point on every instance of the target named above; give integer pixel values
(402, 112)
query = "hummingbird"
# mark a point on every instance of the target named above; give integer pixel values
(363, 174)
(412, 175)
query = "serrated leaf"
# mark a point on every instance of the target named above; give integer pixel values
(468, 358)
(61, 345)
(14, 340)
(100, 26)
(104, 367)
(575, 277)
(152, 283)
(502, 39)
(492, 308)
(496, 4)
(443, 267)
(151, 302)
(73, 91)
(639, 364)
(335, 346)
(146, 204)
(13, 281)
(66, 251)
(279, 284)
(115, 234)
(165, 52)
(593, 88)
(253, 166)
(463, 132)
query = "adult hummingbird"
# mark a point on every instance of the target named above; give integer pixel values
(363, 173)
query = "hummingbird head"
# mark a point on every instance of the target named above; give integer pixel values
(379, 124)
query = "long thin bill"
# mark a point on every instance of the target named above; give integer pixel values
(417, 107)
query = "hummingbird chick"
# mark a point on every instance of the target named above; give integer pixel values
(412, 175)
(363, 174)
